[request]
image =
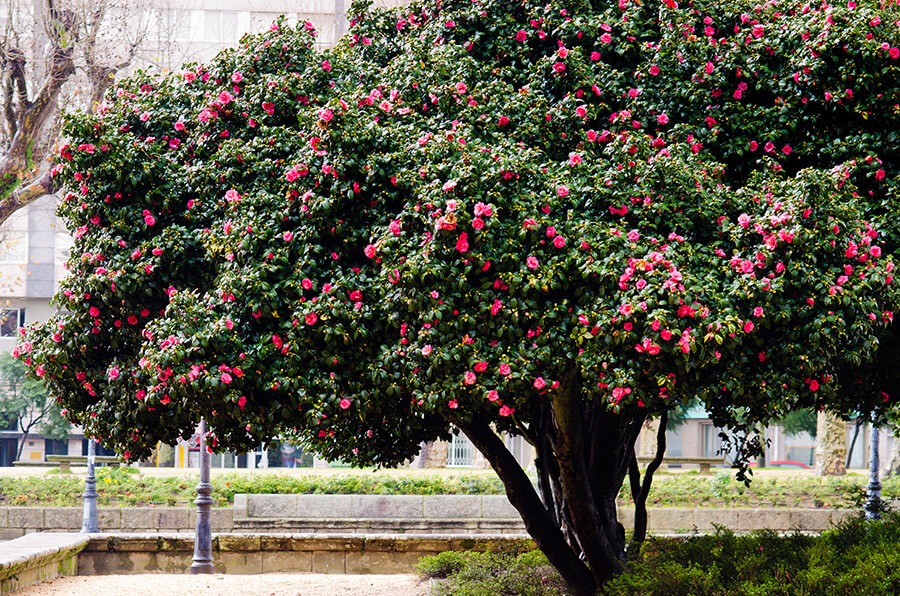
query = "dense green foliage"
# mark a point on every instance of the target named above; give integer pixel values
(554, 219)
(469, 573)
(124, 488)
(858, 557)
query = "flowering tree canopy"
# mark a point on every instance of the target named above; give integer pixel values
(551, 219)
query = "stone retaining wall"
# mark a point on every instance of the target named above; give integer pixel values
(278, 553)
(36, 558)
(395, 514)
(19, 521)
(455, 514)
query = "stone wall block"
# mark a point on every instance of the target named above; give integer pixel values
(388, 506)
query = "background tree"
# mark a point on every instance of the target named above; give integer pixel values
(52, 49)
(25, 405)
(545, 219)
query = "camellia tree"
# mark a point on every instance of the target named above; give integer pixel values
(549, 219)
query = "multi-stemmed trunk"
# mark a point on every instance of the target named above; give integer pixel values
(584, 451)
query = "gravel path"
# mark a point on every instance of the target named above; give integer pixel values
(270, 584)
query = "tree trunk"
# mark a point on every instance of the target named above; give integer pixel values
(584, 452)
(538, 522)
(641, 490)
(831, 445)
(893, 467)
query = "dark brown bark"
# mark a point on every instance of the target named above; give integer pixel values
(538, 521)
(641, 490)
(589, 501)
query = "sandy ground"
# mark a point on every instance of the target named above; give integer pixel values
(272, 584)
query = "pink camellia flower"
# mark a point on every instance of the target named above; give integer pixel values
(875, 251)
(461, 88)
(311, 318)
(232, 196)
(113, 373)
(492, 395)
(478, 223)
(288, 236)
(662, 119)
(237, 77)
(452, 404)
(521, 35)
(469, 378)
(539, 383)
(242, 401)
(355, 296)
(503, 121)
(179, 126)
(562, 190)
(345, 404)
(813, 385)
(426, 350)
(225, 377)
(326, 66)
(369, 251)
(532, 262)
(505, 369)
(483, 210)
(559, 242)
(480, 366)
(145, 116)
(758, 311)
(748, 326)
(462, 243)
(786, 149)
(94, 311)
(149, 220)
(496, 306)
(449, 185)
(506, 411)
(225, 98)
(394, 227)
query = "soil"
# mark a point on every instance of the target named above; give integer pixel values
(270, 584)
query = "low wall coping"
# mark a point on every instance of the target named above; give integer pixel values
(40, 553)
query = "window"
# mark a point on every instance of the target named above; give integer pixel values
(461, 452)
(711, 444)
(11, 319)
(220, 26)
(14, 239)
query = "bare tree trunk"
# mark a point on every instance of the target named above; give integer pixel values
(831, 445)
(893, 467)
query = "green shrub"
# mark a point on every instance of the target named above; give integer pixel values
(466, 573)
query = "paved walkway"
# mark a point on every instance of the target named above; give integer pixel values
(231, 585)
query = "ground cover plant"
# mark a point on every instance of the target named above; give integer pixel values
(857, 557)
(555, 219)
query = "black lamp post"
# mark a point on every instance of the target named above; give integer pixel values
(203, 560)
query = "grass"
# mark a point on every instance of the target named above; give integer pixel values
(127, 487)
